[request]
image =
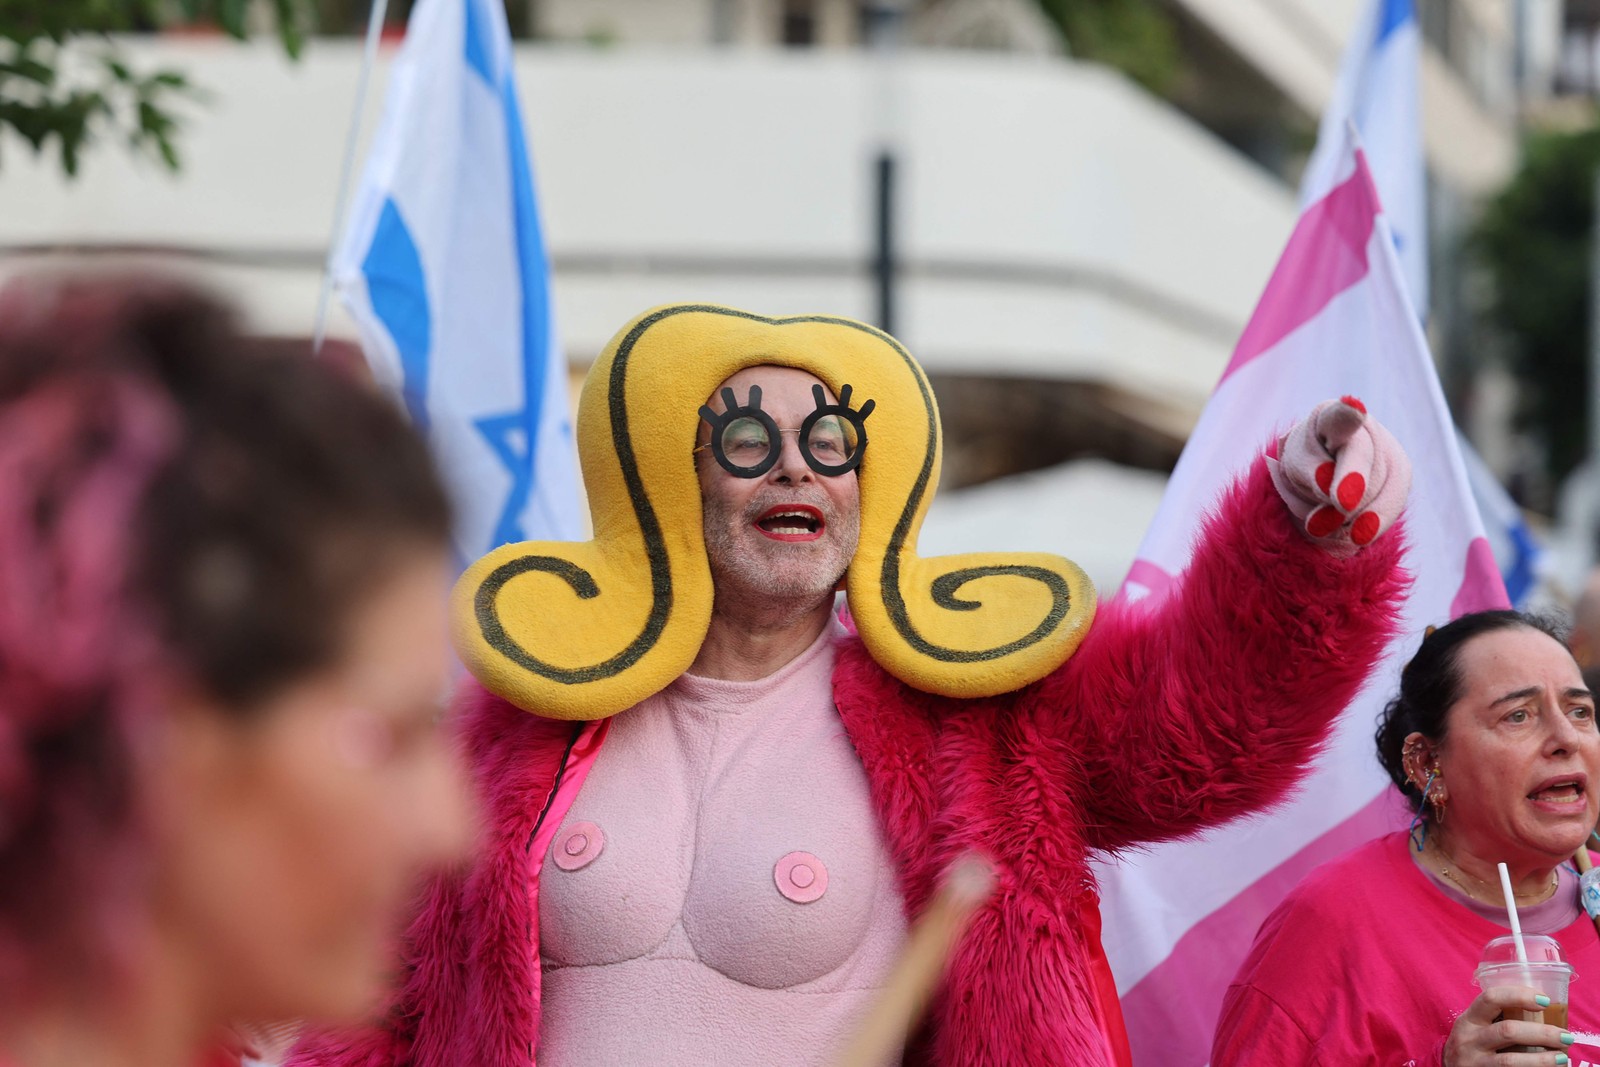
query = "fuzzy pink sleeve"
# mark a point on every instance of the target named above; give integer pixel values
(1213, 702)
(367, 1048)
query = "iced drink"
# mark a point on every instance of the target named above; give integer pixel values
(1546, 972)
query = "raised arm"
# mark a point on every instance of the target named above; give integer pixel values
(1211, 703)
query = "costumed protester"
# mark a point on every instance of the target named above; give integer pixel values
(712, 808)
(1372, 958)
(223, 644)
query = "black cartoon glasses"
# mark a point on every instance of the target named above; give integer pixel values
(746, 442)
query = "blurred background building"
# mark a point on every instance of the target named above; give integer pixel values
(1084, 202)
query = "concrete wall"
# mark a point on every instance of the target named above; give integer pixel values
(691, 22)
(1055, 220)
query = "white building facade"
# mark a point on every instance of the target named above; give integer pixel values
(1053, 222)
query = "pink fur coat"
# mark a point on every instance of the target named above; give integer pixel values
(1168, 719)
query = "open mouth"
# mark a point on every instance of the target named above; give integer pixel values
(791, 522)
(1567, 789)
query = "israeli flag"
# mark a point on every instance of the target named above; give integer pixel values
(1521, 558)
(443, 267)
(1377, 91)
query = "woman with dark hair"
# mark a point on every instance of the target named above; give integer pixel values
(222, 650)
(1371, 958)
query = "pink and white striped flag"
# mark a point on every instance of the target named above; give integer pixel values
(1334, 320)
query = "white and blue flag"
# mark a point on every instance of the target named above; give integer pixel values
(1378, 92)
(443, 267)
(1519, 555)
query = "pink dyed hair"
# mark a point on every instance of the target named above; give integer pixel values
(178, 503)
(79, 445)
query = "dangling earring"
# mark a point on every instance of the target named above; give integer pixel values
(1418, 830)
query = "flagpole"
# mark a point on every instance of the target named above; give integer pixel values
(369, 57)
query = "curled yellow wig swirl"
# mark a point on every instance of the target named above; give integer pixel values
(583, 631)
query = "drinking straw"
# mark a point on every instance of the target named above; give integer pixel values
(1511, 910)
(968, 883)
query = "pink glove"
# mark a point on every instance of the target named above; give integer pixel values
(1342, 474)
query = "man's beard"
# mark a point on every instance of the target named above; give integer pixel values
(746, 563)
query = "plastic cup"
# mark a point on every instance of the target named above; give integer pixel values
(1545, 972)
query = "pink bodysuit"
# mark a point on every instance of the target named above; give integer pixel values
(720, 891)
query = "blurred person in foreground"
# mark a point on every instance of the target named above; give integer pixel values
(1371, 958)
(222, 650)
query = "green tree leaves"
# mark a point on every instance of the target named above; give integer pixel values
(1137, 37)
(1535, 240)
(65, 81)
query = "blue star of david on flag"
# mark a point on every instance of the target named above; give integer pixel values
(444, 269)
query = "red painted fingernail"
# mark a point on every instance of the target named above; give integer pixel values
(1324, 521)
(1353, 402)
(1325, 477)
(1365, 528)
(1350, 491)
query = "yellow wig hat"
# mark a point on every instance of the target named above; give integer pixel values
(583, 631)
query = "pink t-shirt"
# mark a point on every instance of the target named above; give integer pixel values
(720, 891)
(1368, 961)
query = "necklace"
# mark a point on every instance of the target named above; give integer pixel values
(1446, 862)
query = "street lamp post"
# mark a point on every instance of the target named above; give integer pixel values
(884, 23)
